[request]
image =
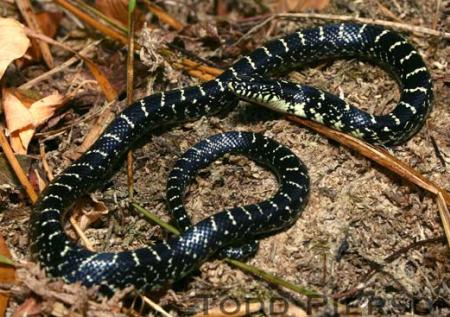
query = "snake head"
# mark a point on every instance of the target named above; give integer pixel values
(274, 94)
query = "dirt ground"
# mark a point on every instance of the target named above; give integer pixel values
(366, 237)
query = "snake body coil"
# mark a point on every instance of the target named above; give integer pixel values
(151, 267)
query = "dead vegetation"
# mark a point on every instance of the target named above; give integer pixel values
(369, 238)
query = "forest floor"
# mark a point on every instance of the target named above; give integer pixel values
(367, 237)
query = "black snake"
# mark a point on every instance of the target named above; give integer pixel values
(164, 262)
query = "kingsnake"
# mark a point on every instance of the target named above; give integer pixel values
(151, 267)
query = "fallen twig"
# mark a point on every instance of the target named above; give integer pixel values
(130, 78)
(81, 234)
(443, 213)
(30, 18)
(388, 12)
(436, 14)
(47, 169)
(155, 306)
(396, 25)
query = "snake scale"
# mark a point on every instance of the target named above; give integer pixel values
(164, 262)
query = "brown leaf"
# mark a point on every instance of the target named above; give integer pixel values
(20, 139)
(116, 9)
(13, 42)
(105, 85)
(88, 211)
(43, 109)
(22, 118)
(49, 22)
(17, 114)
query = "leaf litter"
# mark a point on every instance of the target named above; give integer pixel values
(352, 202)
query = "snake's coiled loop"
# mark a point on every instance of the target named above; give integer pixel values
(151, 267)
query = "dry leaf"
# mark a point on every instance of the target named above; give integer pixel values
(16, 112)
(118, 10)
(49, 22)
(13, 42)
(88, 211)
(105, 85)
(43, 109)
(22, 118)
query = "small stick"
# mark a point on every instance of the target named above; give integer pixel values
(391, 258)
(29, 16)
(396, 25)
(85, 117)
(204, 68)
(81, 234)
(130, 77)
(444, 214)
(155, 306)
(253, 30)
(105, 117)
(436, 14)
(437, 151)
(388, 12)
(345, 18)
(192, 55)
(414, 245)
(47, 168)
